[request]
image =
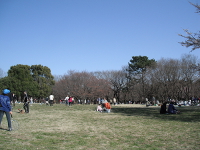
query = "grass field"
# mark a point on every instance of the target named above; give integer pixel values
(79, 127)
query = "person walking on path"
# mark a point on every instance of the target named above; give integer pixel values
(5, 107)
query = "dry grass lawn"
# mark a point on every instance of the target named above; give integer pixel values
(81, 127)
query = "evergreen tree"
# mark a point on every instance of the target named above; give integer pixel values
(138, 64)
(42, 76)
(137, 69)
(22, 80)
(36, 80)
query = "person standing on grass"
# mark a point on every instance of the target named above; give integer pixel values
(51, 98)
(26, 102)
(67, 100)
(70, 100)
(73, 100)
(31, 100)
(114, 101)
(14, 99)
(5, 107)
(103, 102)
(47, 101)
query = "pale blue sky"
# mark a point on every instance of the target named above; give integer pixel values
(92, 35)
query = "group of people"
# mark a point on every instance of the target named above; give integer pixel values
(50, 100)
(104, 106)
(69, 100)
(170, 110)
(6, 102)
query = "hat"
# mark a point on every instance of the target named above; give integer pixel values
(6, 91)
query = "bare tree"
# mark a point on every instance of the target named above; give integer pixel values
(117, 80)
(164, 77)
(192, 39)
(81, 85)
(173, 78)
(189, 75)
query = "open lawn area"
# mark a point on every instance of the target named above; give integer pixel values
(80, 127)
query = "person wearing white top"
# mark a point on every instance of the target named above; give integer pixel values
(51, 98)
(66, 100)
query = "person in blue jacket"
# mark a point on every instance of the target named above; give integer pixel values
(5, 107)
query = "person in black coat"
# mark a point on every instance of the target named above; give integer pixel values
(163, 109)
(26, 103)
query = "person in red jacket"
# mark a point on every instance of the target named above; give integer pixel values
(70, 100)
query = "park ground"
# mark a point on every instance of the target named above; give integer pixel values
(80, 127)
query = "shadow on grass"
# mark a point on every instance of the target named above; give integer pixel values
(188, 114)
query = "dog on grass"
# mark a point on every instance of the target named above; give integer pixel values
(21, 111)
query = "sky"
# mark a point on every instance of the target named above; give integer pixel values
(93, 35)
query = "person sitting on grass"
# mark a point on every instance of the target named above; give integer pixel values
(163, 109)
(108, 107)
(99, 108)
(172, 109)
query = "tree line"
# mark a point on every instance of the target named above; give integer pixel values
(142, 78)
